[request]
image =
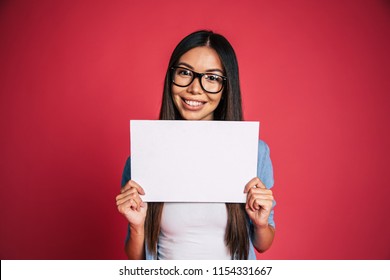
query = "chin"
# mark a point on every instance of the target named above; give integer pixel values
(194, 117)
(190, 118)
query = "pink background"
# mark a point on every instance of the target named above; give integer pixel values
(314, 73)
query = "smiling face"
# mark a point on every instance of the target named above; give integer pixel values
(192, 102)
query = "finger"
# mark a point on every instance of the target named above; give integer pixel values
(132, 184)
(259, 191)
(260, 203)
(252, 205)
(138, 204)
(123, 200)
(131, 205)
(265, 204)
(260, 185)
(252, 183)
(138, 201)
(134, 195)
(267, 197)
(138, 187)
(249, 207)
(127, 192)
(254, 201)
(249, 201)
(144, 205)
(254, 193)
(124, 207)
(134, 204)
(126, 187)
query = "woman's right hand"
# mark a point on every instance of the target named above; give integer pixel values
(130, 204)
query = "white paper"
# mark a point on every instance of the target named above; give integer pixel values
(193, 161)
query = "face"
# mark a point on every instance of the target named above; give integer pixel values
(192, 101)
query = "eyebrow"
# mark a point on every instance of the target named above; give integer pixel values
(208, 70)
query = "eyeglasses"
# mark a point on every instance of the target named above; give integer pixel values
(210, 82)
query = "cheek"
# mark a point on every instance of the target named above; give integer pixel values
(175, 91)
(176, 99)
(216, 99)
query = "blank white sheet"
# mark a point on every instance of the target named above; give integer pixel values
(193, 161)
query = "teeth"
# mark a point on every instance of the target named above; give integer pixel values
(193, 103)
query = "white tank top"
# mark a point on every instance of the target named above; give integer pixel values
(193, 231)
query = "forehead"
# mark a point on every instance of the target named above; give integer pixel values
(202, 59)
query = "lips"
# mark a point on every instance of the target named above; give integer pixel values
(193, 103)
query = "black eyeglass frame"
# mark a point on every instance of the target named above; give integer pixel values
(199, 76)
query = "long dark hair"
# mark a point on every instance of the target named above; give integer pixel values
(229, 109)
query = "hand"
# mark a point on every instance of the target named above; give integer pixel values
(259, 202)
(130, 204)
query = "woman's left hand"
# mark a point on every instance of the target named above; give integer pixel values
(259, 202)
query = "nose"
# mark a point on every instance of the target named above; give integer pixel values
(195, 87)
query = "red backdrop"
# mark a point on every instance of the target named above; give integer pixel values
(314, 73)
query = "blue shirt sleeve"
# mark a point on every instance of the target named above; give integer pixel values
(126, 175)
(265, 173)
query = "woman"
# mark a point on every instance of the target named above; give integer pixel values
(201, 83)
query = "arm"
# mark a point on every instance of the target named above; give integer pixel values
(258, 207)
(263, 237)
(131, 206)
(135, 245)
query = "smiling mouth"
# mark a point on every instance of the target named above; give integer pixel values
(193, 103)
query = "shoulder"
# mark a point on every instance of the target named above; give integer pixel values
(128, 162)
(126, 174)
(127, 167)
(263, 149)
(264, 165)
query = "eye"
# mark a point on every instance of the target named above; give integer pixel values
(184, 72)
(213, 78)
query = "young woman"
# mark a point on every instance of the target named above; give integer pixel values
(201, 83)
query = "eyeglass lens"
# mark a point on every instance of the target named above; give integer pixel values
(210, 82)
